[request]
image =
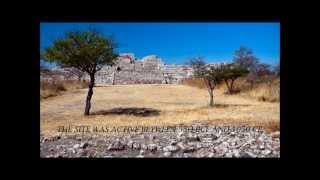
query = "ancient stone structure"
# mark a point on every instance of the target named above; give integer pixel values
(130, 70)
(148, 70)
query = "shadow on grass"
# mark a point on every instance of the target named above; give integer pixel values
(142, 112)
(228, 105)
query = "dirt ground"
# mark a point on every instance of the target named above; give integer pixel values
(155, 105)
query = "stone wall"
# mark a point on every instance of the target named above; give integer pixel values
(59, 74)
(129, 70)
(148, 70)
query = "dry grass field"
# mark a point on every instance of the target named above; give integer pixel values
(266, 90)
(55, 88)
(172, 105)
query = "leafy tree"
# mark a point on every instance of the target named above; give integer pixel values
(87, 51)
(230, 73)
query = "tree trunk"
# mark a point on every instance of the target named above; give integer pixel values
(231, 86)
(90, 93)
(210, 86)
(227, 84)
(211, 97)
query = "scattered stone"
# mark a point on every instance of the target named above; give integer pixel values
(214, 137)
(76, 146)
(152, 137)
(210, 155)
(192, 137)
(180, 144)
(236, 153)
(152, 147)
(275, 134)
(261, 147)
(199, 146)
(116, 146)
(186, 155)
(206, 139)
(136, 146)
(84, 145)
(173, 142)
(232, 134)
(167, 154)
(188, 149)
(180, 133)
(143, 146)
(228, 155)
(266, 152)
(107, 156)
(171, 148)
(130, 144)
(249, 155)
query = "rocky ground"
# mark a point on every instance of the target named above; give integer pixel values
(212, 144)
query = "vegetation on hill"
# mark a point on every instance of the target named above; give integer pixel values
(258, 80)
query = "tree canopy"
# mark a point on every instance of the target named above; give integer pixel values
(87, 51)
(231, 72)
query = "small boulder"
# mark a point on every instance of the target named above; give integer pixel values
(171, 148)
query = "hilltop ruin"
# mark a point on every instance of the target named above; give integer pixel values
(148, 70)
(130, 70)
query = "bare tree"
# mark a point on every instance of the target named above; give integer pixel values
(263, 69)
(196, 63)
(245, 58)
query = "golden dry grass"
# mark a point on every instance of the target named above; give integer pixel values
(263, 91)
(178, 104)
(267, 91)
(55, 88)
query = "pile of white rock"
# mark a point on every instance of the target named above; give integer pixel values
(251, 144)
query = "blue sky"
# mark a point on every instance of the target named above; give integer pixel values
(176, 42)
